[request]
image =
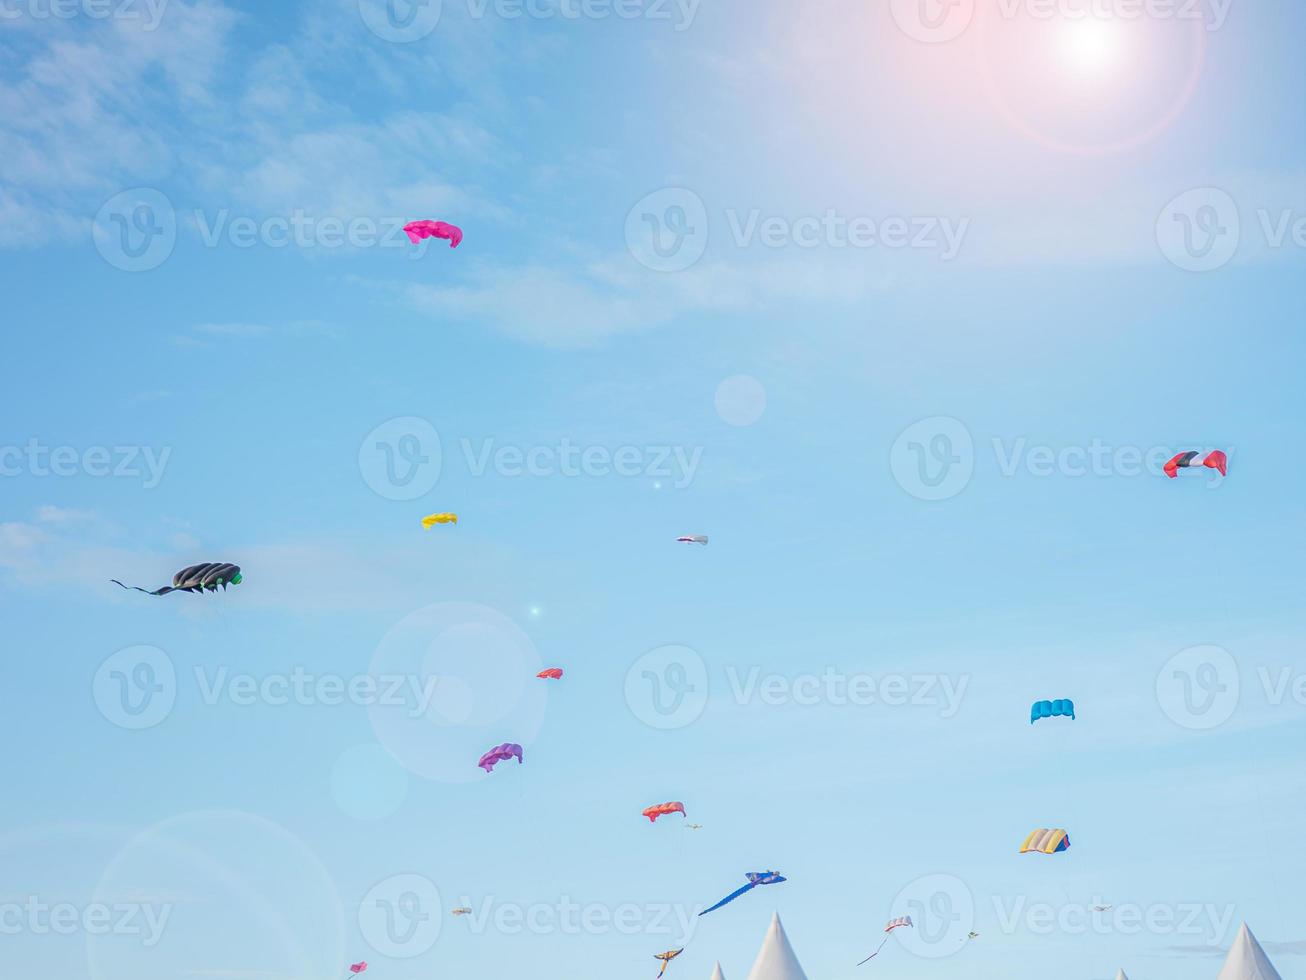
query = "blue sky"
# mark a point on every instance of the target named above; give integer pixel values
(729, 269)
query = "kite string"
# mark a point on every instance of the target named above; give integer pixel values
(877, 951)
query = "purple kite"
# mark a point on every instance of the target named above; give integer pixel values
(500, 753)
(417, 230)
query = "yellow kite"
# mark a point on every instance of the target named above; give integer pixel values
(434, 519)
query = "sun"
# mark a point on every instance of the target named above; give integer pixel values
(1092, 47)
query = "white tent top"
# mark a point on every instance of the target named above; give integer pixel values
(717, 974)
(777, 961)
(1247, 961)
(1121, 976)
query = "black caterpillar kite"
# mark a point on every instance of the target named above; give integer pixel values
(205, 577)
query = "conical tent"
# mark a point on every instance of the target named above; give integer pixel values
(717, 974)
(776, 961)
(1121, 976)
(1246, 960)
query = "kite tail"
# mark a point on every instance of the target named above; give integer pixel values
(876, 953)
(728, 899)
(663, 970)
(136, 588)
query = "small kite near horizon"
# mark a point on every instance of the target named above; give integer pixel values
(418, 230)
(692, 539)
(431, 520)
(552, 674)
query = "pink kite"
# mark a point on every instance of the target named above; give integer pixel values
(500, 753)
(358, 968)
(417, 230)
(552, 674)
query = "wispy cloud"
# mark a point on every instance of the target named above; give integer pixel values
(564, 307)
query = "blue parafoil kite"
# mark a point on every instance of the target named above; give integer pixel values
(1063, 708)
